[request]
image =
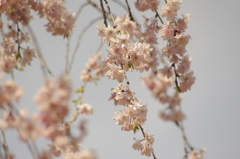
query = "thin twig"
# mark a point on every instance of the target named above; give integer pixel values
(69, 40)
(154, 157)
(129, 11)
(79, 40)
(185, 140)
(157, 15)
(1, 155)
(40, 56)
(176, 77)
(109, 11)
(98, 8)
(5, 145)
(104, 14)
(99, 47)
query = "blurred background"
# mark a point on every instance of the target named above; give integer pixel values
(212, 106)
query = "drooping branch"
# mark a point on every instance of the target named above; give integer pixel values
(109, 11)
(129, 11)
(35, 44)
(104, 13)
(70, 37)
(79, 41)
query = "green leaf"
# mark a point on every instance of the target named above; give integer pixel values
(20, 68)
(95, 80)
(135, 128)
(80, 90)
(130, 65)
(75, 101)
(18, 56)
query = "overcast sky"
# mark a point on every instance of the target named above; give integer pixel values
(212, 106)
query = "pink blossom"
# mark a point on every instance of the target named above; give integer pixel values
(85, 108)
(115, 72)
(137, 145)
(121, 94)
(166, 71)
(143, 5)
(187, 80)
(167, 31)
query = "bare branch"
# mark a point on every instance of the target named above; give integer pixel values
(104, 14)
(129, 11)
(79, 41)
(109, 11)
(34, 42)
(69, 40)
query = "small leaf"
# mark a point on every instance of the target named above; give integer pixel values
(80, 90)
(135, 128)
(20, 68)
(75, 101)
(18, 56)
(95, 80)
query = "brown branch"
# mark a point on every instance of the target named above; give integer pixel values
(5, 145)
(154, 157)
(129, 11)
(157, 15)
(79, 41)
(98, 8)
(104, 14)
(69, 40)
(109, 11)
(40, 56)
(176, 77)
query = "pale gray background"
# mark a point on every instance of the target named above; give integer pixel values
(212, 106)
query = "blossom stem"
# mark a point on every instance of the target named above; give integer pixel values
(129, 11)
(98, 8)
(5, 145)
(185, 140)
(69, 40)
(154, 157)
(19, 47)
(37, 48)
(79, 41)
(157, 15)
(109, 11)
(104, 14)
(176, 76)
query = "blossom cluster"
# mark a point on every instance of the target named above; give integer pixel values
(126, 54)
(143, 5)
(174, 32)
(160, 86)
(13, 50)
(9, 92)
(52, 100)
(144, 145)
(178, 75)
(60, 21)
(132, 117)
(12, 53)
